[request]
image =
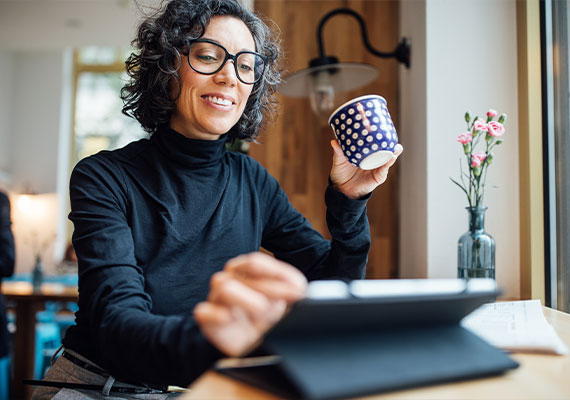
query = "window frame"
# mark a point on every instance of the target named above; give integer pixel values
(556, 127)
(79, 68)
(532, 239)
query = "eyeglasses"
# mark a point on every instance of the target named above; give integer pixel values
(208, 57)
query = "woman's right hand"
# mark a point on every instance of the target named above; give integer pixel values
(247, 298)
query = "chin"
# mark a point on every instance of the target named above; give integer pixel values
(226, 127)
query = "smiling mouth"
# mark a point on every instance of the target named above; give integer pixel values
(218, 100)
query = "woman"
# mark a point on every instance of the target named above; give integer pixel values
(168, 230)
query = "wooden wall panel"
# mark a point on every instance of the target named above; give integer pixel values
(295, 147)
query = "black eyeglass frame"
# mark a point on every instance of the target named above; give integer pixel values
(228, 56)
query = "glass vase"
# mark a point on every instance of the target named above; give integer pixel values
(37, 275)
(476, 248)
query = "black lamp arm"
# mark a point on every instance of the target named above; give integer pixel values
(401, 52)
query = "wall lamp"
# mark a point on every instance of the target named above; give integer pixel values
(326, 76)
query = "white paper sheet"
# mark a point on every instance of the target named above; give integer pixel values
(516, 326)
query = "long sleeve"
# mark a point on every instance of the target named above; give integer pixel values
(115, 310)
(291, 237)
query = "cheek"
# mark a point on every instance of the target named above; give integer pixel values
(186, 94)
(189, 81)
(182, 103)
(246, 94)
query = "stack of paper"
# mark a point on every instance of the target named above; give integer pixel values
(517, 326)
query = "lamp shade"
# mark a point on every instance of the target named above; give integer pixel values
(326, 77)
(342, 77)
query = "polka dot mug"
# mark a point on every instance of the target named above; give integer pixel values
(365, 132)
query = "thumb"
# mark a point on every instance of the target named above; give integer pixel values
(336, 148)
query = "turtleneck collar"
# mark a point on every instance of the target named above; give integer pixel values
(189, 152)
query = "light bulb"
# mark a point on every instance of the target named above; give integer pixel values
(25, 203)
(322, 94)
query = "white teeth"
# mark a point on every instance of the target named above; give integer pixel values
(223, 102)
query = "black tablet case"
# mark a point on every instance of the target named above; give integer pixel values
(351, 347)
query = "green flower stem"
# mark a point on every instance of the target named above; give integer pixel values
(484, 180)
(468, 190)
(462, 185)
(473, 183)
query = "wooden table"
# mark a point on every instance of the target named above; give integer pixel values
(28, 303)
(538, 377)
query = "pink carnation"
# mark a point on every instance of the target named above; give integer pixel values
(491, 113)
(464, 138)
(495, 128)
(477, 159)
(480, 125)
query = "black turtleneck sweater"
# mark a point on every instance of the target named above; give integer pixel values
(155, 219)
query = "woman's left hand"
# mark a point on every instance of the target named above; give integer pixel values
(246, 299)
(353, 181)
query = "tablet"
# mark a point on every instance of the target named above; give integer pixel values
(371, 336)
(334, 306)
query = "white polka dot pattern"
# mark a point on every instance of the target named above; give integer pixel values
(363, 127)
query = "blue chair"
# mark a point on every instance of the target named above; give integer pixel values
(64, 321)
(5, 378)
(6, 362)
(64, 279)
(48, 338)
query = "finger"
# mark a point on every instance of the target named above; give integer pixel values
(259, 266)
(228, 329)
(387, 166)
(242, 304)
(232, 293)
(336, 148)
(398, 150)
(207, 313)
(380, 174)
(338, 154)
(274, 290)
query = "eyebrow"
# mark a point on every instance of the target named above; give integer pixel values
(214, 40)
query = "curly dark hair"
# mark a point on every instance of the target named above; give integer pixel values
(153, 68)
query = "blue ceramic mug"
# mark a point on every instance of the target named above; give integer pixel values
(365, 131)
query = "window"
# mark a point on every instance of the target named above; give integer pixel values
(98, 121)
(556, 139)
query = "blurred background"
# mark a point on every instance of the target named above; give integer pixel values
(62, 67)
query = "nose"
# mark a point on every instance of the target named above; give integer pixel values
(227, 75)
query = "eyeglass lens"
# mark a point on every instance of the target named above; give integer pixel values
(208, 58)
